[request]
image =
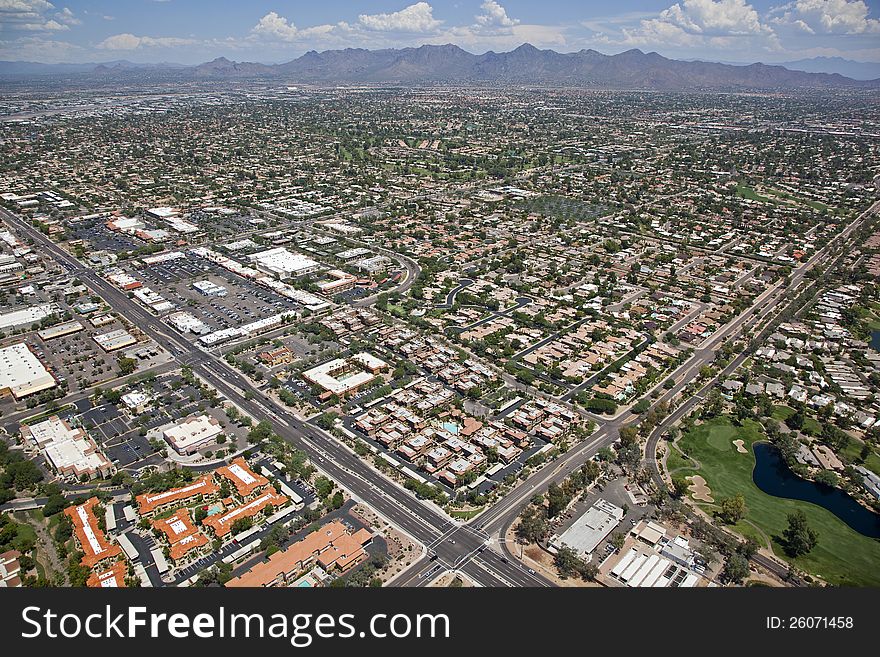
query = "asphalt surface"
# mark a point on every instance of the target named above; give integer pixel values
(751, 319)
(477, 548)
(458, 545)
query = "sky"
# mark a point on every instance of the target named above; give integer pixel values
(270, 31)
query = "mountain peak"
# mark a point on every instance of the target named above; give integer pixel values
(449, 64)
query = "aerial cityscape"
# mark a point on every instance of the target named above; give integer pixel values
(408, 301)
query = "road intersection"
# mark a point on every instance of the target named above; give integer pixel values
(476, 548)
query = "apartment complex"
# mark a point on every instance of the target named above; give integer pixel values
(98, 552)
(333, 547)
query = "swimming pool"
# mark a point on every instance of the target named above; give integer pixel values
(451, 427)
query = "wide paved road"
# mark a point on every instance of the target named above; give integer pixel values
(754, 319)
(420, 520)
(496, 520)
(451, 545)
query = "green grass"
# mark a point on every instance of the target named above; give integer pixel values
(772, 195)
(24, 531)
(782, 413)
(842, 555)
(44, 416)
(853, 451)
(465, 515)
(816, 205)
(811, 426)
(675, 461)
(749, 193)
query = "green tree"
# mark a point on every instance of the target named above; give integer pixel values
(324, 486)
(736, 568)
(54, 504)
(733, 509)
(126, 365)
(557, 500)
(800, 538)
(795, 422)
(532, 526)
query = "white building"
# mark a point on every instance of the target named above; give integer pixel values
(136, 402)
(22, 373)
(70, 451)
(585, 533)
(193, 433)
(209, 289)
(28, 316)
(162, 213)
(284, 264)
(345, 375)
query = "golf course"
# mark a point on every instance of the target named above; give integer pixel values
(842, 556)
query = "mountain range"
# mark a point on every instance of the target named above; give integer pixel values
(846, 67)
(449, 64)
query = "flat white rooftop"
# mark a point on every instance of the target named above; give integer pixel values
(193, 431)
(338, 376)
(585, 533)
(21, 372)
(27, 316)
(283, 262)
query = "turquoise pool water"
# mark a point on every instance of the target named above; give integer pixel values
(214, 510)
(305, 584)
(451, 427)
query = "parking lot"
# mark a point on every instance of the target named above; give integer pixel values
(78, 359)
(101, 238)
(221, 226)
(244, 302)
(124, 436)
(120, 436)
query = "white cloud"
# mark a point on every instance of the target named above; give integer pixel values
(35, 16)
(491, 29)
(273, 27)
(494, 28)
(131, 42)
(47, 26)
(846, 17)
(23, 8)
(35, 48)
(370, 30)
(801, 25)
(494, 16)
(277, 27)
(67, 17)
(720, 24)
(417, 18)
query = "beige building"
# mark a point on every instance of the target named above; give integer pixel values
(22, 373)
(70, 451)
(193, 433)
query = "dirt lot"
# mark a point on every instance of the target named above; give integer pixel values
(450, 579)
(402, 551)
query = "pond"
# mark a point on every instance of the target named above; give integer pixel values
(774, 477)
(875, 340)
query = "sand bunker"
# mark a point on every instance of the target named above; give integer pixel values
(699, 490)
(740, 446)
